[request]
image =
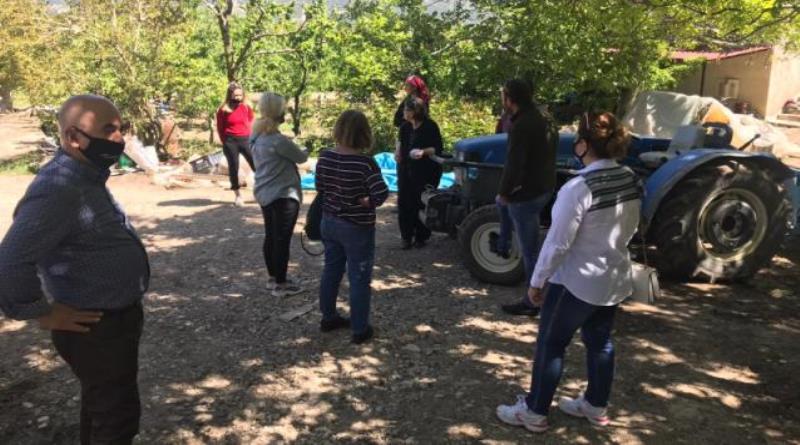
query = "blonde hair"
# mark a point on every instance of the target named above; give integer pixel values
(271, 108)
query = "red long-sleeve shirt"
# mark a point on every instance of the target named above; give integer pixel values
(235, 123)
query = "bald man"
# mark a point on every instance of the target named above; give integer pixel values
(71, 242)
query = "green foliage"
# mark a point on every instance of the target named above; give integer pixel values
(185, 51)
(194, 78)
(25, 164)
(457, 119)
(460, 119)
(379, 112)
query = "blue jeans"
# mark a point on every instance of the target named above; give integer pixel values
(562, 314)
(506, 226)
(352, 247)
(525, 218)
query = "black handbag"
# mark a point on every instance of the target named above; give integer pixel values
(313, 227)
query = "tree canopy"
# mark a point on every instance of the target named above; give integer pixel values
(185, 51)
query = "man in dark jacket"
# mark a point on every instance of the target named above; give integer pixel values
(70, 241)
(529, 176)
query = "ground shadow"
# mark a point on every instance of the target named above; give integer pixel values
(708, 364)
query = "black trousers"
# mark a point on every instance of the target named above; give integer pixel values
(106, 362)
(409, 203)
(280, 216)
(233, 146)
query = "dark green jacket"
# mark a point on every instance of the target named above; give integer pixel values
(530, 169)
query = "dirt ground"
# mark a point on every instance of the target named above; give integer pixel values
(708, 364)
(19, 134)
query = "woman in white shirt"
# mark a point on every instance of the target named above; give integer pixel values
(586, 267)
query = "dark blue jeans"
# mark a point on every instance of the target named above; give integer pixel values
(506, 226)
(525, 218)
(350, 247)
(561, 316)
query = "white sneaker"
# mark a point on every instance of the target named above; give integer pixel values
(238, 202)
(287, 289)
(271, 284)
(520, 415)
(581, 408)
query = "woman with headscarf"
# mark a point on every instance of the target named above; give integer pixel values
(414, 86)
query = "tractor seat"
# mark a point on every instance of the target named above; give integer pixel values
(686, 138)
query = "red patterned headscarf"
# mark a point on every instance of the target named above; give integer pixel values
(419, 87)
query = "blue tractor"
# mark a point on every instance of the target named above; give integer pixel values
(710, 210)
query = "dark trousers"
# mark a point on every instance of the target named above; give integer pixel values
(561, 316)
(280, 217)
(233, 146)
(525, 219)
(352, 247)
(506, 229)
(106, 362)
(409, 203)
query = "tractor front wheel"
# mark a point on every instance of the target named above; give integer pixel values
(474, 235)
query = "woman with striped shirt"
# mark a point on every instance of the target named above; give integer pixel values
(352, 187)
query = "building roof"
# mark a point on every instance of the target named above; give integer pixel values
(713, 56)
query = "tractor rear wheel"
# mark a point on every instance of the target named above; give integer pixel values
(725, 220)
(474, 235)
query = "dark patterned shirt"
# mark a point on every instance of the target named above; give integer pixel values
(343, 180)
(69, 231)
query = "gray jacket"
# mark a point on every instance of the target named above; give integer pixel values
(276, 158)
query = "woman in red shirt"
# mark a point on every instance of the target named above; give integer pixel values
(234, 121)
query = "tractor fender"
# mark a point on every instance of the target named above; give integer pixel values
(661, 182)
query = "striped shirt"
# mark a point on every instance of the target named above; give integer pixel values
(611, 187)
(343, 180)
(586, 249)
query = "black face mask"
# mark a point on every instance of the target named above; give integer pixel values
(103, 153)
(579, 157)
(233, 103)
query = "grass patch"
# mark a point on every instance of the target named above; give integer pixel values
(24, 164)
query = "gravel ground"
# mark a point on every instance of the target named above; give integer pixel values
(709, 364)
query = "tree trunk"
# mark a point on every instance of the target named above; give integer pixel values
(626, 98)
(6, 101)
(211, 126)
(296, 115)
(223, 16)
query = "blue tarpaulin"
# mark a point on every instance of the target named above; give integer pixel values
(389, 171)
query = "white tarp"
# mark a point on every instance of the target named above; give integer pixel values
(660, 113)
(145, 157)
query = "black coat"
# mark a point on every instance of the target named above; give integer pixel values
(425, 170)
(530, 168)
